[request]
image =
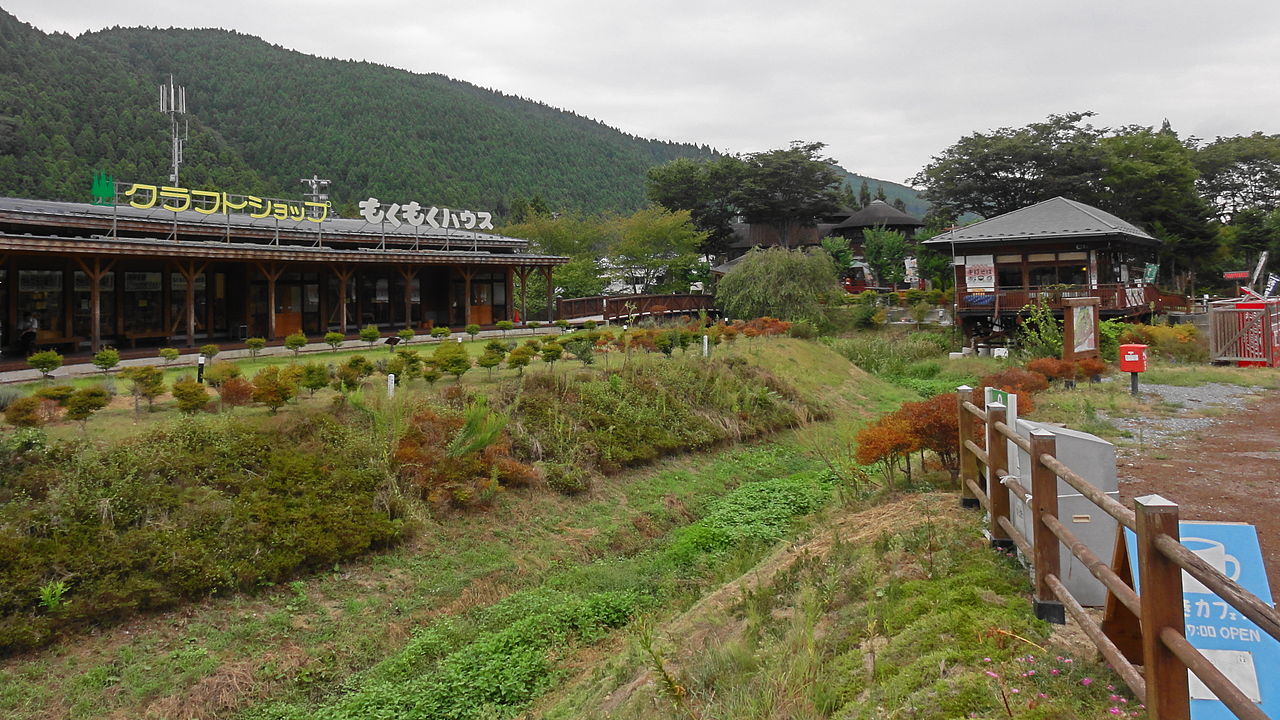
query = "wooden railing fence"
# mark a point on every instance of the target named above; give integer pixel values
(621, 307)
(1164, 652)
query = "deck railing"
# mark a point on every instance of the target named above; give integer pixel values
(1115, 297)
(621, 307)
(1157, 613)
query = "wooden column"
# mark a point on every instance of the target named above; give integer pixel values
(467, 273)
(408, 273)
(343, 274)
(523, 274)
(189, 270)
(551, 295)
(997, 493)
(272, 272)
(510, 300)
(11, 302)
(95, 270)
(1168, 697)
(1044, 503)
(68, 301)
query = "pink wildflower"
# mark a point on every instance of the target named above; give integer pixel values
(1086, 682)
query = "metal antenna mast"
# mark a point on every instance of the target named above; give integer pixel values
(173, 102)
(319, 191)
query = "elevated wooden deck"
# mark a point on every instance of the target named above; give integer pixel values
(1118, 300)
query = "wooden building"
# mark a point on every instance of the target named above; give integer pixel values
(1050, 251)
(89, 275)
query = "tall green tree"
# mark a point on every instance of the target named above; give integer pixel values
(779, 282)
(886, 253)
(1240, 172)
(788, 189)
(658, 249)
(1009, 168)
(705, 190)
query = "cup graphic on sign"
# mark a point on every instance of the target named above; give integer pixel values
(1214, 553)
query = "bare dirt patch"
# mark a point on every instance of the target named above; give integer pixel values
(1228, 470)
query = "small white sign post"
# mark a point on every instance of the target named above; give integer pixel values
(391, 384)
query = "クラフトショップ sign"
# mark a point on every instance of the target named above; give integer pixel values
(108, 192)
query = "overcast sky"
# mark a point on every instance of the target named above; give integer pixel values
(886, 85)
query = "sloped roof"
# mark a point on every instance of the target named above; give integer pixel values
(879, 213)
(1054, 218)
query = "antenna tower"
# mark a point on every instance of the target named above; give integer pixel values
(173, 102)
(319, 191)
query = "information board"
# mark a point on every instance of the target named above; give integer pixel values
(1233, 643)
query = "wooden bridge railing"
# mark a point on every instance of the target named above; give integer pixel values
(621, 307)
(1166, 655)
(1116, 297)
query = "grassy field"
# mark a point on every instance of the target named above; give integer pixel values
(751, 580)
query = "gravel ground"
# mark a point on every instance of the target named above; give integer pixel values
(1194, 400)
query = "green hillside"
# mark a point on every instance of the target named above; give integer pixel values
(263, 116)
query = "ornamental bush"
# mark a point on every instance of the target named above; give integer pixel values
(295, 342)
(84, 402)
(192, 397)
(440, 332)
(209, 351)
(370, 334)
(334, 339)
(255, 345)
(46, 362)
(106, 358)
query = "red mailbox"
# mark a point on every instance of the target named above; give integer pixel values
(1133, 358)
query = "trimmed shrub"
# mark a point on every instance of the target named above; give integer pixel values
(56, 393)
(274, 387)
(334, 339)
(295, 342)
(25, 412)
(106, 358)
(85, 402)
(406, 335)
(440, 332)
(220, 372)
(210, 351)
(171, 354)
(46, 362)
(235, 392)
(192, 397)
(255, 345)
(473, 330)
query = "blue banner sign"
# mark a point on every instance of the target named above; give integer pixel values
(1233, 643)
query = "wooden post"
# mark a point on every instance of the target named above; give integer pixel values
(523, 273)
(1168, 697)
(467, 274)
(408, 275)
(510, 297)
(95, 273)
(997, 493)
(343, 274)
(968, 463)
(551, 294)
(189, 271)
(272, 272)
(1044, 502)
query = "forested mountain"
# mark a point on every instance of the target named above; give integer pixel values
(263, 116)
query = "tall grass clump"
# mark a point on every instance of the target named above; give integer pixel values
(890, 354)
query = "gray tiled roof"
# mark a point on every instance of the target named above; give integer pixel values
(1054, 218)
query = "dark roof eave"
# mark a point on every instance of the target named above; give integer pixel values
(1126, 237)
